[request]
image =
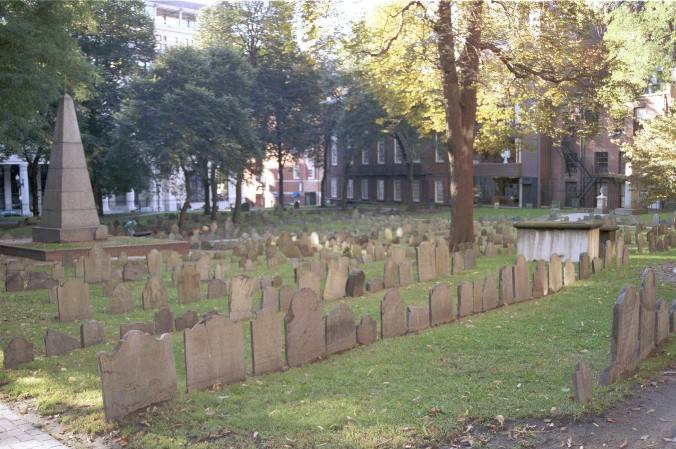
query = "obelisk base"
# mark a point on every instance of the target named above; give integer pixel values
(61, 235)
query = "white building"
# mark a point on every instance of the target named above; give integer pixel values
(175, 21)
(15, 187)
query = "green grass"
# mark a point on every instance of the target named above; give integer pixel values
(515, 361)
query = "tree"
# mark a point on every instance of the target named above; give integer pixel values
(119, 43)
(550, 52)
(652, 155)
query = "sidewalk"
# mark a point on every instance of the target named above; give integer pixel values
(17, 433)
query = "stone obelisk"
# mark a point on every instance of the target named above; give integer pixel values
(68, 208)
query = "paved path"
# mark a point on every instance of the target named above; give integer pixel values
(18, 433)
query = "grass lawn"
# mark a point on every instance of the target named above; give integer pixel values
(515, 361)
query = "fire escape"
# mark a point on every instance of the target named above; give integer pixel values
(572, 159)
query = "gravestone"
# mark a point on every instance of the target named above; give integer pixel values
(555, 273)
(469, 257)
(336, 279)
(202, 267)
(163, 322)
(465, 298)
(619, 250)
(285, 294)
(648, 305)
(625, 256)
(390, 274)
(341, 332)
(522, 288)
(185, 321)
(440, 304)
(217, 288)
(148, 328)
(58, 273)
(374, 285)
(121, 301)
(266, 341)
(367, 330)
(305, 338)
(426, 261)
(506, 292)
(490, 293)
(355, 284)
(398, 253)
(92, 333)
(624, 347)
(597, 265)
(154, 262)
(584, 267)
(661, 322)
(478, 292)
(57, 343)
(214, 353)
(72, 298)
(139, 372)
(309, 279)
(133, 271)
(241, 297)
(392, 315)
(188, 285)
(155, 294)
(672, 317)
(417, 318)
(443, 258)
(270, 298)
(568, 273)
(17, 352)
(96, 265)
(582, 383)
(540, 279)
(405, 269)
(608, 259)
(458, 262)
(108, 287)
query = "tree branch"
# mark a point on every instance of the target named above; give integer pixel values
(391, 40)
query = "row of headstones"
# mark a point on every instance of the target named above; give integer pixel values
(641, 323)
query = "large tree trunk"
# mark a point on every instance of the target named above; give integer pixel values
(207, 188)
(238, 197)
(325, 178)
(183, 215)
(460, 111)
(280, 185)
(33, 185)
(214, 191)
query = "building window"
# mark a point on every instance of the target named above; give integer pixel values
(571, 194)
(438, 191)
(296, 171)
(415, 190)
(398, 156)
(396, 189)
(334, 188)
(381, 152)
(601, 162)
(365, 156)
(380, 190)
(416, 155)
(640, 114)
(334, 151)
(438, 151)
(365, 189)
(350, 189)
(310, 166)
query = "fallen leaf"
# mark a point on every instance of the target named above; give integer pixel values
(624, 444)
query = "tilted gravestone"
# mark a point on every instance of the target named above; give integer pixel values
(568, 273)
(139, 372)
(661, 322)
(266, 341)
(304, 335)
(390, 273)
(163, 321)
(188, 285)
(540, 279)
(214, 353)
(72, 298)
(367, 330)
(155, 294)
(490, 298)
(392, 315)
(441, 305)
(341, 331)
(92, 333)
(426, 261)
(506, 292)
(185, 321)
(443, 258)
(582, 383)
(240, 304)
(585, 266)
(648, 305)
(121, 300)
(465, 299)
(58, 343)
(417, 318)
(522, 287)
(624, 349)
(17, 352)
(555, 273)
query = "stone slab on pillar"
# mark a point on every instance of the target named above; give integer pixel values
(69, 211)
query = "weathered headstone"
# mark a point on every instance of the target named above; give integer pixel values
(285, 294)
(18, 351)
(597, 265)
(155, 294)
(661, 322)
(584, 266)
(648, 305)
(305, 338)
(217, 288)
(58, 343)
(458, 262)
(440, 304)
(443, 258)
(490, 293)
(241, 297)
(405, 269)
(417, 318)
(72, 298)
(270, 298)
(133, 270)
(96, 265)
(608, 251)
(355, 284)
(582, 383)
(506, 292)
(336, 279)
(624, 349)
(163, 321)
(148, 328)
(185, 321)
(202, 267)
(568, 273)
(522, 287)
(390, 273)
(309, 279)
(188, 285)
(154, 262)
(426, 261)
(392, 315)
(374, 285)
(367, 330)
(266, 341)
(478, 292)
(465, 299)
(341, 332)
(121, 300)
(469, 257)
(555, 273)
(540, 279)
(139, 372)
(92, 333)
(214, 353)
